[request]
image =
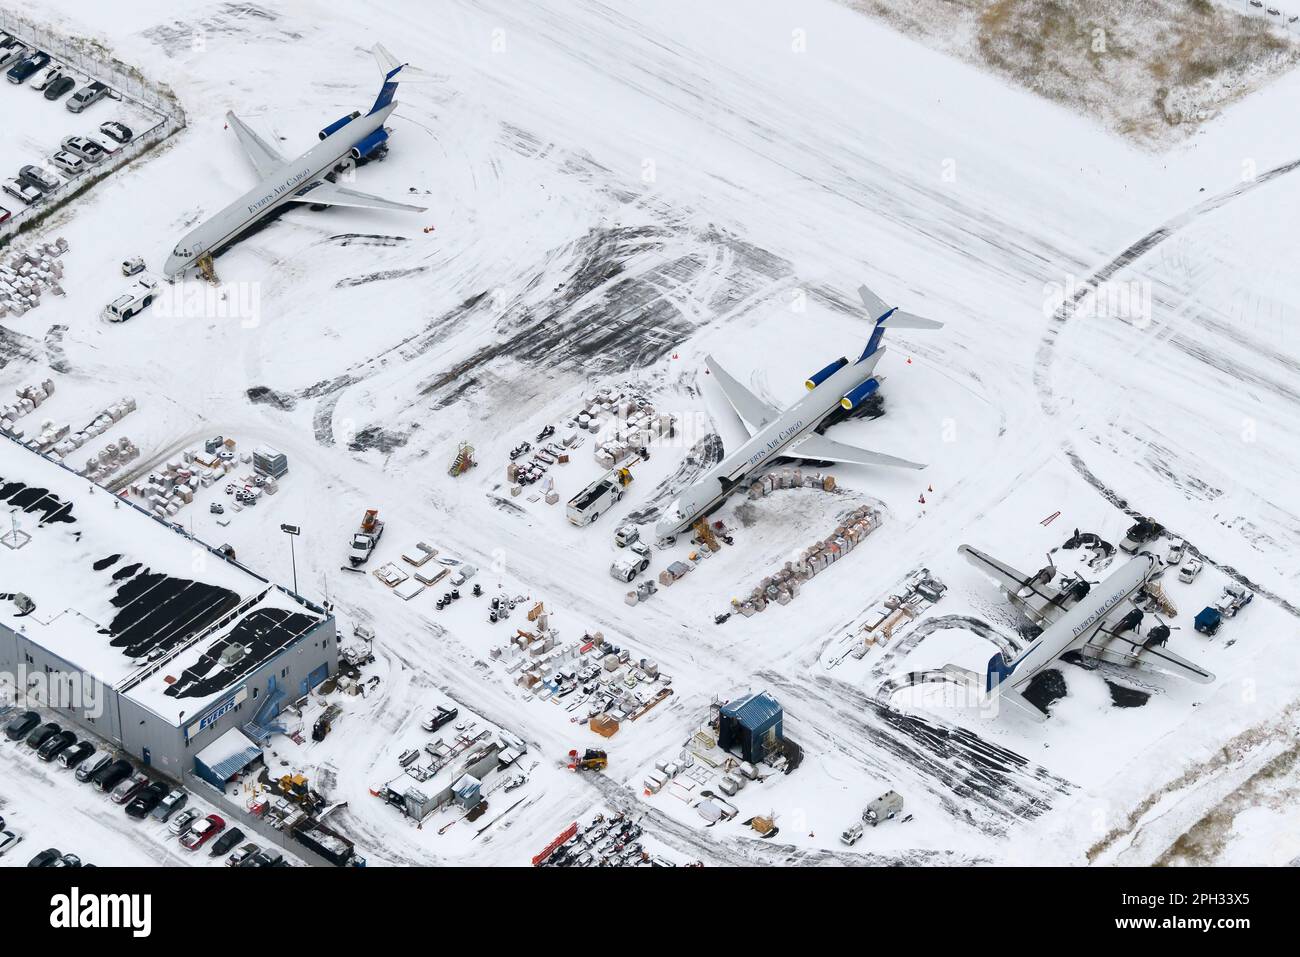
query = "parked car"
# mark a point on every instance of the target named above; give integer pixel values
(112, 775)
(69, 163)
(74, 755)
(226, 841)
(43, 734)
(46, 77)
(1176, 549)
(262, 859)
(91, 769)
(8, 841)
(21, 726)
(1191, 568)
(116, 131)
(83, 146)
(47, 858)
(56, 745)
(202, 832)
(169, 805)
(182, 822)
(238, 855)
(146, 800)
(87, 95)
(23, 70)
(22, 191)
(38, 177)
(4, 214)
(58, 87)
(133, 266)
(11, 55)
(129, 788)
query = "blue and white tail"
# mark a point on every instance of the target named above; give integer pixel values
(391, 67)
(998, 672)
(888, 317)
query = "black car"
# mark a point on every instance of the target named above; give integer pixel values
(72, 757)
(262, 859)
(57, 744)
(90, 769)
(119, 132)
(147, 800)
(43, 734)
(40, 178)
(223, 844)
(112, 775)
(23, 69)
(59, 87)
(46, 858)
(21, 726)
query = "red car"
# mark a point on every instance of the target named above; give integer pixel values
(202, 832)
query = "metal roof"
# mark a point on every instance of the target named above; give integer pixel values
(228, 755)
(753, 710)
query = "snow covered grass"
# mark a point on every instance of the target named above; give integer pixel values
(1153, 70)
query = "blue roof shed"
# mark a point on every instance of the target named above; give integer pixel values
(752, 725)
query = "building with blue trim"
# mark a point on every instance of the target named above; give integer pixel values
(138, 633)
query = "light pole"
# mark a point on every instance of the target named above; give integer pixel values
(293, 531)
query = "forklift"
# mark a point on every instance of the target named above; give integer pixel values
(592, 760)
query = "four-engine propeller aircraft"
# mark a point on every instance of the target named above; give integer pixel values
(301, 180)
(1099, 621)
(792, 433)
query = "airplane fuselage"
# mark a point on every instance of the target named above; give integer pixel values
(769, 442)
(1082, 618)
(286, 182)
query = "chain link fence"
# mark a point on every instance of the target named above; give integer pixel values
(92, 60)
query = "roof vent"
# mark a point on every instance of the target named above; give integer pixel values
(231, 654)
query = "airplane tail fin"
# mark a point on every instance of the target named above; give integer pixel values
(998, 672)
(390, 66)
(888, 317)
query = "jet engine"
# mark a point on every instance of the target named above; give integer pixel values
(859, 395)
(819, 377)
(338, 124)
(369, 144)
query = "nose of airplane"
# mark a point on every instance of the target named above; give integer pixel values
(173, 266)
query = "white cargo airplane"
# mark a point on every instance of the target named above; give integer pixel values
(301, 180)
(792, 434)
(1099, 621)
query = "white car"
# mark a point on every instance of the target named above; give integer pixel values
(1176, 549)
(68, 163)
(89, 150)
(8, 841)
(1191, 568)
(45, 78)
(28, 194)
(134, 301)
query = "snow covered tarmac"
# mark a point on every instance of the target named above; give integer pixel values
(614, 193)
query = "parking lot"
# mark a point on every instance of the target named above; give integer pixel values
(34, 128)
(43, 804)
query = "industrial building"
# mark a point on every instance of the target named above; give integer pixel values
(138, 633)
(752, 726)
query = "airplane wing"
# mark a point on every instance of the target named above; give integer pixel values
(753, 411)
(828, 450)
(1043, 600)
(264, 157)
(330, 194)
(1123, 650)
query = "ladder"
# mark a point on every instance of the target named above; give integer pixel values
(207, 268)
(464, 460)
